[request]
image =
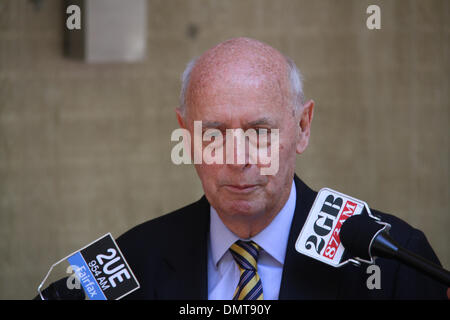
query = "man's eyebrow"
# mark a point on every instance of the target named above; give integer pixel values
(261, 121)
(212, 124)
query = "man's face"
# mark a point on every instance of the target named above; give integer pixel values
(238, 96)
(247, 102)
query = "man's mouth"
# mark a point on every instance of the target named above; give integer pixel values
(241, 188)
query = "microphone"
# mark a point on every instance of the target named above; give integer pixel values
(100, 273)
(58, 290)
(363, 237)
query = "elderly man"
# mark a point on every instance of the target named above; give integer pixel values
(237, 241)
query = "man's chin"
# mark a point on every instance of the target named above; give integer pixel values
(242, 207)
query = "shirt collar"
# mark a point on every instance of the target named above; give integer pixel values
(221, 238)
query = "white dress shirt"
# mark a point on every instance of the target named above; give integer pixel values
(223, 272)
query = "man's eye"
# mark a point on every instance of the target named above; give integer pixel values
(263, 131)
(211, 133)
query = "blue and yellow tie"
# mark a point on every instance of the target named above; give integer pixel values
(245, 254)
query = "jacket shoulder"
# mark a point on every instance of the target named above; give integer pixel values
(150, 246)
(399, 280)
(408, 236)
(400, 230)
(157, 230)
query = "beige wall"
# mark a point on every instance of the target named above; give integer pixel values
(85, 149)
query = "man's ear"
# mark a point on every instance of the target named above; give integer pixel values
(305, 126)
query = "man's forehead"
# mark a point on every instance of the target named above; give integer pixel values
(239, 59)
(238, 76)
(236, 48)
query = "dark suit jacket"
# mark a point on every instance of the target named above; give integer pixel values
(168, 255)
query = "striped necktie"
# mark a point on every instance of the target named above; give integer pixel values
(245, 253)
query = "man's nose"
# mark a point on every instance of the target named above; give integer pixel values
(238, 153)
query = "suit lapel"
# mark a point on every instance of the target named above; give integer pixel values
(304, 277)
(183, 273)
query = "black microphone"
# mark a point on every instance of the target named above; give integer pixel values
(59, 290)
(363, 237)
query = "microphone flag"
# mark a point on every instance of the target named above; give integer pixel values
(101, 269)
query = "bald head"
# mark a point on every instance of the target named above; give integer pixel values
(245, 63)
